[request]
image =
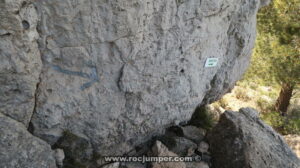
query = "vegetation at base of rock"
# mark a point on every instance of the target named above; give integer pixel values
(241, 94)
(202, 118)
(285, 125)
(263, 99)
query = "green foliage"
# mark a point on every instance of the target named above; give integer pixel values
(276, 58)
(202, 118)
(295, 112)
(264, 105)
(289, 124)
(274, 119)
(284, 125)
(292, 126)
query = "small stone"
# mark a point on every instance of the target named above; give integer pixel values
(206, 158)
(203, 147)
(59, 157)
(78, 148)
(168, 140)
(101, 161)
(160, 150)
(183, 145)
(191, 152)
(134, 165)
(112, 165)
(193, 133)
(196, 165)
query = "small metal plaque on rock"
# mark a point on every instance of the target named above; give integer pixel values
(211, 62)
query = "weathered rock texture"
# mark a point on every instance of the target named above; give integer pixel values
(20, 60)
(115, 71)
(242, 140)
(19, 149)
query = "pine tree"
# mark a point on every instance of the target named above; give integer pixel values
(277, 55)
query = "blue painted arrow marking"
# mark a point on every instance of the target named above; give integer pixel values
(93, 76)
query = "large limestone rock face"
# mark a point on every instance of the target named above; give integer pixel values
(19, 149)
(114, 71)
(242, 140)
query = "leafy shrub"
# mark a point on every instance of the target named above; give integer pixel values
(264, 105)
(292, 126)
(282, 124)
(202, 118)
(289, 124)
(273, 119)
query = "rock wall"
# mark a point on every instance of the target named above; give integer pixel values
(112, 73)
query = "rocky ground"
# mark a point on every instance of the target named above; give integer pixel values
(240, 139)
(183, 141)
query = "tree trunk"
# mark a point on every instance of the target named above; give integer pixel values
(283, 101)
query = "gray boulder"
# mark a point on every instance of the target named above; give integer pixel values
(196, 165)
(59, 157)
(203, 147)
(193, 133)
(112, 165)
(242, 140)
(113, 73)
(118, 71)
(19, 149)
(134, 165)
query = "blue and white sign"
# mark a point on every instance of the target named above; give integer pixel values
(211, 62)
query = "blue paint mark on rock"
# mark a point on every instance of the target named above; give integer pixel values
(93, 77)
